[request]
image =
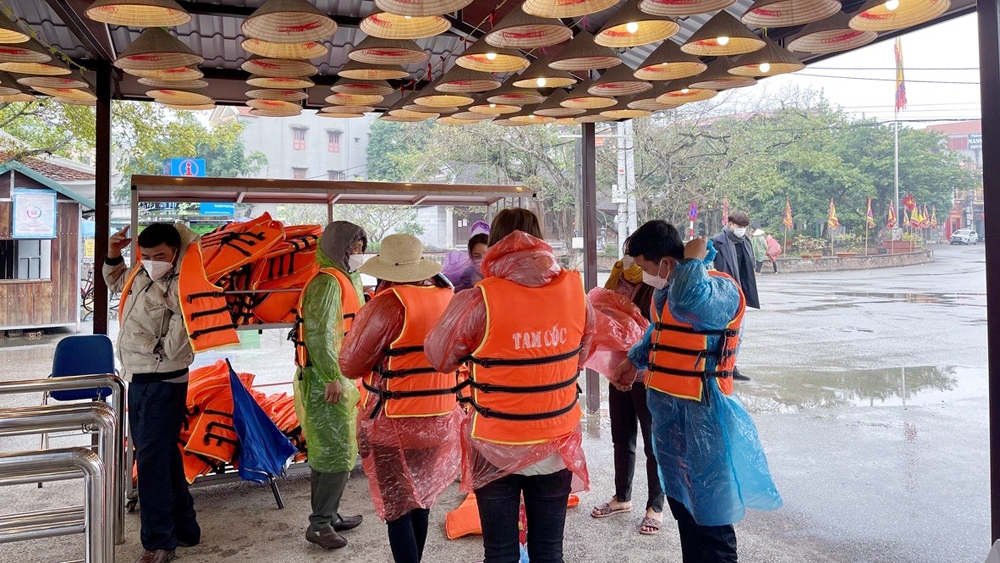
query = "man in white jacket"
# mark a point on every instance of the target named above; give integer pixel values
(155, 354)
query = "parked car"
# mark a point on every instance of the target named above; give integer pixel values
(964, 236)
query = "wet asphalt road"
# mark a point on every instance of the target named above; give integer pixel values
(869, 391)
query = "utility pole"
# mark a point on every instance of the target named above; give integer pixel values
(623, 192)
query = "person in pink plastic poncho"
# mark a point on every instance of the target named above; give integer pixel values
(520, 438)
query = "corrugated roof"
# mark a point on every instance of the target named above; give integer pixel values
(45, 180)
(49, 169)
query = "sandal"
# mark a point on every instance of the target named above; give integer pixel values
(652, 524)
(606, 510)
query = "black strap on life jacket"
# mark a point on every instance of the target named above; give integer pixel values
(523, 362)
(692, 373)
(727, 332)
(211, 426)
(518, 417)
(236, 240)
(293, 336)
(519, 389)
(386, 395)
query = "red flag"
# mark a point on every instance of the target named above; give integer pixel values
(934, 221)
(832, 221)
(870, 218)
(892, 216)
(910, 202)
(925, 219)
(900, 81)
(787, 219)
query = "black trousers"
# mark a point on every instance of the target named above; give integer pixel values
(545, 499)
(703, 544)
(760, 264)
(156, 412)
(629, 414)
(408, 534)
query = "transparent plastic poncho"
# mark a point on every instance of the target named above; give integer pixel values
(620, 325)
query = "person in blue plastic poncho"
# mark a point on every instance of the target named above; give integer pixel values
(710, 460)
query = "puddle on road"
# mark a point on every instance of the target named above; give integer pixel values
(798, 389)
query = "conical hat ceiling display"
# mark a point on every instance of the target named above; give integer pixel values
(581, 98)
(484, 57)
(463, 80)
(889, 15)
(721, 36)
(668, 62)
(566, 8)
(276, 94)
(681, 8)
(390, 26)
(363, 71)
(73, 80)
(362, 87)
(648, 100)
(339, 99)
(622, 110)
(347, 109)
(340, 115)
(788, 13)
(286, 68)
(484, 107)
(283, 82)
(400, 119)
(274, 105)
(55, 67)
(138, 13)
(452, 120)
(681, 92)
(178, 84)
(527, 115)
(769, 61)
(475, 116)
(583, 54)
(155, 49)
(425, 109)
(26, 52)
(421, 115)
(276, 113)
(619, 81)
(10, 33)
(67, 94)
(378, 51)
(181, 97)
(421, 8)
(832, 35)
(717, 77)
(308, 50)
(551, 106)
(540, 75)
(631, 27)
(511, 95)
(169, 74)
(523, 31)
(592, 117)
(288, 21)
(431, 98)
(196, 107)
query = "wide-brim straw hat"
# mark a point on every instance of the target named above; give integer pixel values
(342, 110)
(308, 50)
(427, 113)
(874, 16)
(353, 115)
(473, 116)
(462, 80)
(10, 33)
(668, 62)
(619, 81)
(400, 260)
(788, 13)
(511, 95)
(540, 75)
(424, 109)
(484, 57)
(551, 106)
(178, 84)
(288, 21)
(769, 61)
(138, 13)
(452, 120)
(581, 98)
(759, 232)
(649, 28)
(362, 87)
(262, 66)
(18, 97)
(365, 71)
(26, 52)
(718, 77)
(75, 101)
(527, 115)
(519, 30)
(648, 99)
(340, 99)
(430, 97)
(197, 107)
(722, 28)
(593, 116)
(270, 113)
(421, 8)
(390, 26)
(682, 92)
(832, 35)
(67, 94)
(282, 82)
(55, 67)
(680, 8)
(379, 51)
(155, 49)
(274, 105)
(169, 74)
(74, 80)
(178, 97)
(583, 54)
(491, 110)
(400, 119)
(566, 8)
(276, 94)
(622, 110)
(8, 91)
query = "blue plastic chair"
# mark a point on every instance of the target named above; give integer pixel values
(83, 355)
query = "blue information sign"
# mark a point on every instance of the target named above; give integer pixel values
(217, 209)
(184, 167)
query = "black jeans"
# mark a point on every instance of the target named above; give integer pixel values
(408, 534)
(545, 499)
(703, 544)
(156, 412)
(760, 264)
(627, 408)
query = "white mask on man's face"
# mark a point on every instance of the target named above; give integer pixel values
(355, 261)
(156, 269)
(740, 231)
(656, 282)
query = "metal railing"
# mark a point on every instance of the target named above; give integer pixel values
(119, 468)
(91, 519)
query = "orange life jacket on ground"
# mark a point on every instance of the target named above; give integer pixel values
(203, 306)
(350, 304)
(524, 374)
(405, 384)
(679, 353)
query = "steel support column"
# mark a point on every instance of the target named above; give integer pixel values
(589, 172)
(102, 195)
(989, 77)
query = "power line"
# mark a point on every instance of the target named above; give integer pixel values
(976, 83)
(893, 69)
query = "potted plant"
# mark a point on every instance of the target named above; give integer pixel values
(810, 247)
(847, 245)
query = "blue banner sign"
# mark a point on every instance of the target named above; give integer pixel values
(184, 167)
(217, 209)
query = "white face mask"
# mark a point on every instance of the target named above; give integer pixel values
(740, 231)
(355, 261)
(156, 270)
(655, 282)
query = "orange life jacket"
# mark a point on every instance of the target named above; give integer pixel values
(350, 303)
(678, 357)
(203, 306)
(287, 266)
(213, 434)
(524, 374)
(407, 385)
(237, 244)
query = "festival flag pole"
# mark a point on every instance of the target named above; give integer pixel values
(787, 221)
(832, 223)
(892, 229)
(900, 105)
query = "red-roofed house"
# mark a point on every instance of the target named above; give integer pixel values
(965, 138)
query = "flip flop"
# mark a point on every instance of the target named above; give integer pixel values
(648, 522)
(606, 510)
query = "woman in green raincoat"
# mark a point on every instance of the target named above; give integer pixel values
(326, 401)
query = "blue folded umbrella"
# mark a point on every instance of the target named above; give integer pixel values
(264, 450)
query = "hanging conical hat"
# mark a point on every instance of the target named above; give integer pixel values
(340, 110)
(410, 114)
(668, 62)
(288, 21)
(832, 35)
(278, 67)
(341, 115)
(55, 67)
(523, 31)
(10, 33)
(378, 51)
(527, 115)
(5, 91)
(551, 106)
(484, 57)
(421, 8)
(648, 99)
(155, 49)
(566, 8)
(511, 95)
(583, 54)
(473, 116)
(75, 101)
(273, 113)
(619, 81)
(788, 13)
(362, 87)
(274, 105)
(425, 109)
(400, 119)
(484, 107)
(283, 82)
(74, 80)
(631, 27)
(565, 121)
(18, 97)
(463, 80)
(592, 117)
(681, 91)
(339, 99)
(431, 98)
(391, 26)
(364, 71)
(540, 75)
(581, 98)
(170, 74)
(138, 13)
(874, 15)
(723, 35)
(308, 50)
(275, 94)
(26, 52)
(178, 97)
(178, 84)
(195, 107)
(452, 120)
(67, 94)
(772, 59)
(717, 77)
(680, 8)
(622, 110)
